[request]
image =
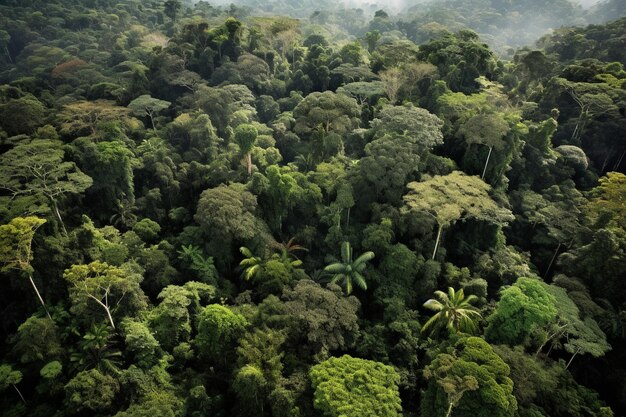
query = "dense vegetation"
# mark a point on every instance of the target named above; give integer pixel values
(209, 211)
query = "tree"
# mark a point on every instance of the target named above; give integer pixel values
(245, 135)
(171, 8)
(607, 202)
(353, 387)
(348, 270)
(158, 402)
(91, 391)
(36, 168)
(227, 213)
(385, 169)
(140, 341)
(453, 197)
(576, 332)
(146, 105)
(471, 379)
(318, 319)
(485, 129)
(558, 210)
(363, 91)
(392, 79)
(110, 164)
(111, 288)
(259, 357)
(219, 330)
(453, 311)
(22, 115)
(417, 125)
(441, 369)
(204, 266)
(326, 111)
(84, 117)
(37, 340)
(523, 308)
(16, 239)
(170, 321)
(8, 376)
(96, 350)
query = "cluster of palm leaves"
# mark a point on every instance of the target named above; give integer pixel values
(251, 265)
(349, 271)
(454, 311)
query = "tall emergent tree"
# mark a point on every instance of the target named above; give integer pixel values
(471, 381)
(36, 168)
(16, 240)
(110, 287)
(453, 197)
(146, 105)
(245, 135)
(488, 130)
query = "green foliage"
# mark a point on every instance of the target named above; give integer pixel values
(472, 379)
(219, 329)
(148, 106)
(347, 386)
(326, 111)
(161, 403)
(523, 307)
(114, 290)
(148, 230)
(453, 311)
(141, 343)
(125, 124)
(51, 370)
(37, 169)
(8, 377)
(349, 270)
(37, 340)
(16, 239)
(453, 197)
(320, 318)
(91, 391)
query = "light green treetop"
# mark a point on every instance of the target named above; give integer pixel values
(453, 197)
(353, 387)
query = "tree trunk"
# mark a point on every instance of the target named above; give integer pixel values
(550, 337)
(572, 358)
(19, 393)
(437, 241)
(619, 161)
(449, 412)
(552, 260)
(6, 50)
(30, 277)
(608, 155)
(57, 213)
(249, 162)
(486, 163)
(152, 120)
(348, 218)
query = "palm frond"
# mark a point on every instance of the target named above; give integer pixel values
(360, 281)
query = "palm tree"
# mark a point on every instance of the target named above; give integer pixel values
(96, 350)
(348, 271)
(454, 311)
(288, 249)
